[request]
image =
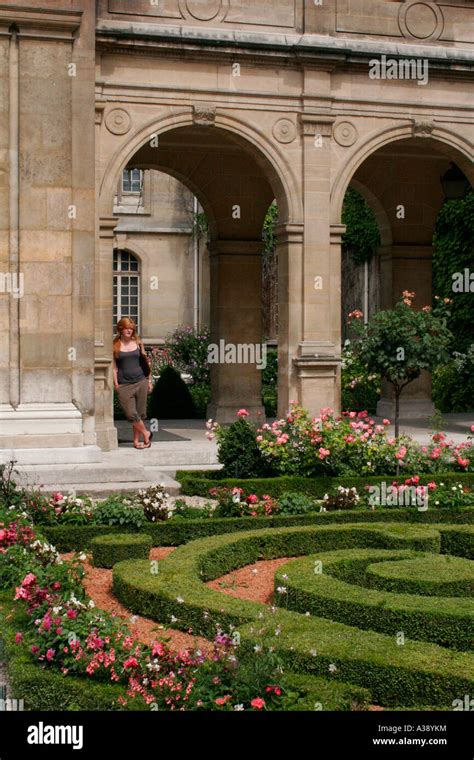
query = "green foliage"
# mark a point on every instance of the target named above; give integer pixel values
(45, 690)
(362, 235)
(188, 351)
(399, 343)
(453, 383)
(270, 373)
(199, 483)
(360, 390)
(417, 673)
(201, 395)
(170, 398)
(117, 509)
(179, 531)
(115, 547)
(238, 451)
(295, 503)
(268, 232)
(453, 252)
(345, 591)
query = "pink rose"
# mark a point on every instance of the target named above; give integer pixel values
(242, 413)
(258, 703)
(18, 637)
(50, 654)
(72, 614)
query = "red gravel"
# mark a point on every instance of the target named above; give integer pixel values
(253, 582)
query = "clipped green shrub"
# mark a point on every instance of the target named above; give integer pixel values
(458, 540)
(175, 532)
(345, 591)
(170, 398)
(239, 453)
(417, 673)
(198, 483)
(115, 547)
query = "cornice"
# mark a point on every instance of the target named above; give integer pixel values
(37, 23)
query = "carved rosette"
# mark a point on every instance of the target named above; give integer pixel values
(284, 130)
(345, 133)
(204, 115)
(118, 121)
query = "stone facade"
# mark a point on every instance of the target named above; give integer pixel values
(243, 101)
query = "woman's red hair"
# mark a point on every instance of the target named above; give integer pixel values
(122, 325)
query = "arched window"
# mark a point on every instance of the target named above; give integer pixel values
(126, 287)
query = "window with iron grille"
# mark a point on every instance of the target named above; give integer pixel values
(126, 286)
(132, 180)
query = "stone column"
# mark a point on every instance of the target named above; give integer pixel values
(290, 311)
(406, 267)
(318, 360)
(236, 328)
(50, 62)
(106, 432)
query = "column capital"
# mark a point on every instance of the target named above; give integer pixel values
(107, 224)
(336, 233)
(235, 247)
(289, 233)
(316, 124)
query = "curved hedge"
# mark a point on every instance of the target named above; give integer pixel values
(115, 547)
(176, 532)
(428, 575)
(413, 674)
(339, 593)
(198, 482)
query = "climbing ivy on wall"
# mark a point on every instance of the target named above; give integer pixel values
(362, 235)
(453, 253)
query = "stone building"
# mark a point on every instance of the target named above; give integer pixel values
(242, 101)
(156, 237)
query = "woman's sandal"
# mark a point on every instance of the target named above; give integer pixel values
(148, 445)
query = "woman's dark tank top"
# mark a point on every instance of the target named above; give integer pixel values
(128, 366)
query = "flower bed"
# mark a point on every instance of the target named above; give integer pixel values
(418, 673)
(348, 444)
(65, 653)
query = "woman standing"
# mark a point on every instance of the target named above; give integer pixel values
(132, 379)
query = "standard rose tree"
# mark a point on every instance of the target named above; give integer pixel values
(399, 343)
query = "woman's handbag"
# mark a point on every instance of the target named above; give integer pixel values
(144, 361)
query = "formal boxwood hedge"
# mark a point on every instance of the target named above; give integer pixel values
(458, 540)
(198, 482)
(429, 575)
(318, 693)
(46, 689)
(339, 593)
(413, 674)
(115, 547)
(68, 538)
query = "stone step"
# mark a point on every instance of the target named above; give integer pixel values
(79, 473)
(102, 490)
(68, 455)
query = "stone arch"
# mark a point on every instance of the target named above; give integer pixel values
(380, 213)
(276, 168)
(450, 143)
